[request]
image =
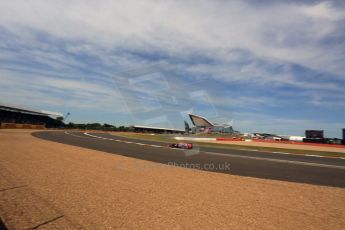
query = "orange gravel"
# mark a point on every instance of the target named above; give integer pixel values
(48, 185)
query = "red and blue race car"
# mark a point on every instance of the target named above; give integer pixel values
(181, 145)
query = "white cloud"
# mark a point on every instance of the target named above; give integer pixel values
(323, 10)
(282, 31)
(40, 91)
(241, 41)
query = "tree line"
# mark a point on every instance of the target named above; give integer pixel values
(98, 126)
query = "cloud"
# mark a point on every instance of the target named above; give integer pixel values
(323, 10)
(244, 55)
(40, 91)
(284, 31)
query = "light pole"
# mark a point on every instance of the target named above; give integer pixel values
(65, 118)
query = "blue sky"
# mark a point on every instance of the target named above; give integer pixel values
(267, 66)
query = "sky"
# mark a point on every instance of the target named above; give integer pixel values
(262, 66)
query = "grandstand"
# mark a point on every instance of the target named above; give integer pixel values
(150, 129)
(203, 125)
(12, 116)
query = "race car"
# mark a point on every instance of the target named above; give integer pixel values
(181, 145)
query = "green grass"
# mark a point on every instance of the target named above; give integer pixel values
(170, 138)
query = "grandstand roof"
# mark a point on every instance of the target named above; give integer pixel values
(200, 121)
(26, 110)
(158, 128)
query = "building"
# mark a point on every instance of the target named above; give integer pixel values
(150, 129)
(315, 136)
(203, 125)
(12, 116)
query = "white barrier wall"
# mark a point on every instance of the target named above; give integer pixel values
(194, 139)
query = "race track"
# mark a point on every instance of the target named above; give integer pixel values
(301, 169)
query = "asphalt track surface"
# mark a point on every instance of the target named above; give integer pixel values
(302, 169)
